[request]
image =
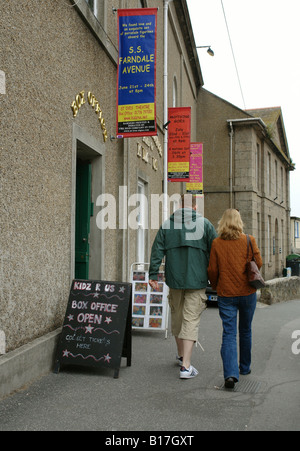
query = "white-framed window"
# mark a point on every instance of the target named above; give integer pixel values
(258, 230)
(257, 165)
(296, 229)
(269, 173)
(269, 239)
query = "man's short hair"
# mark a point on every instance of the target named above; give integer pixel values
(188, 200)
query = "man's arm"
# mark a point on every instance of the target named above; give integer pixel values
(211, 235)
(157, 254)
(213, 269)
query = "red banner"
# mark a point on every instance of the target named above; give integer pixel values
(179, 144)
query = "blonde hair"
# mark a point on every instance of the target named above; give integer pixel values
(230, 225)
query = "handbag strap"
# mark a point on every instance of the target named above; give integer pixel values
(250, 242)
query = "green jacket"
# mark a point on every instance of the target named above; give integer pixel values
(185, 240)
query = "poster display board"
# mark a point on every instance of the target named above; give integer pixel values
(149, 307)
(136, 88)
(97, 325)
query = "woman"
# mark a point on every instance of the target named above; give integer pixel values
(227, 275)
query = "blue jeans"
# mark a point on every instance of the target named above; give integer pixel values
(228, 310)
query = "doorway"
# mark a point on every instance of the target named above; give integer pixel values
(88, 182)
(83, 218)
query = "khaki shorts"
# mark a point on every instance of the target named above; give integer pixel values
(186, 308)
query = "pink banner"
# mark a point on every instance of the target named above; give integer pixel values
(195, 184)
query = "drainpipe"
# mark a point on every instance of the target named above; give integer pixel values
(165, 195)
(230, 163)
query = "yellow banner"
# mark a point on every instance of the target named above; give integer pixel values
(194, 186)
(179, 167)
(137, 112)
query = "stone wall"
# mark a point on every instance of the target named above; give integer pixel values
(279, 290)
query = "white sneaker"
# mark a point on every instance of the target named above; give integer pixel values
(188, 373)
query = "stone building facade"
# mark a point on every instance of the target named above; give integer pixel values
(247, 166)
(58, 158)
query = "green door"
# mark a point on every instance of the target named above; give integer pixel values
(83, 215)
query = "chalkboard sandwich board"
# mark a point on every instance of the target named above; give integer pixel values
(97, 326)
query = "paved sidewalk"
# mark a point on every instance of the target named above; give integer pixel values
(149, 396)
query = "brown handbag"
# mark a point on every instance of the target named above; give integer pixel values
(253, 274)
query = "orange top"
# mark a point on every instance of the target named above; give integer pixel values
(227, 266)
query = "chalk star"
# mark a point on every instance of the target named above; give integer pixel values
(107, 358)
(70, 317)
(88, 329)
(96, 295)
(122, 289)
(108, 320)
(66, 353)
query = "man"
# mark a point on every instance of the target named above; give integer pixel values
(185, 240)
